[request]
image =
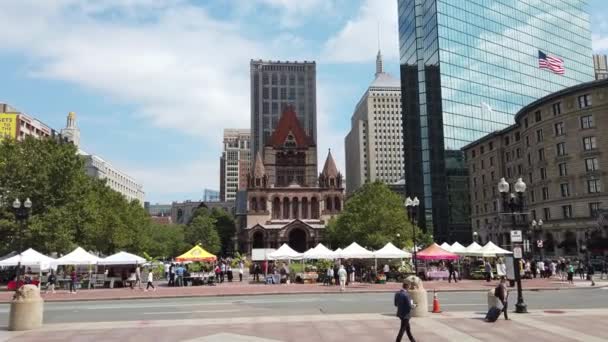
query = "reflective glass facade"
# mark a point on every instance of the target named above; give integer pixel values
(466, 68)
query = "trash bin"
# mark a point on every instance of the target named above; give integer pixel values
(26, 309)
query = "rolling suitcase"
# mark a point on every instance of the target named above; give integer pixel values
(493, 314)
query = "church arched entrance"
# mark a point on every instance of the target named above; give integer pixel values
(258, 240)
(297, 240)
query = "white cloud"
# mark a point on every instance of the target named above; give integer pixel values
(359, 37)
(294, 13)
(600, 43)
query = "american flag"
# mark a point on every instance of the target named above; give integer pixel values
(555, 64)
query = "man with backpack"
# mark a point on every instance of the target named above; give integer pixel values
(403, 302)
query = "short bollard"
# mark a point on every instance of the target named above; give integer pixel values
(418, 295)
(26, 309)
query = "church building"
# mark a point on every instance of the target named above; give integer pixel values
(287, 202)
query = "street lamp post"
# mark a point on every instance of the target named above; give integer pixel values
(475, 237)
(515, 205)
(412, 206)
(537, 227)
(22, 213)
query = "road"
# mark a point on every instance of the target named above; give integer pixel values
(288, 305)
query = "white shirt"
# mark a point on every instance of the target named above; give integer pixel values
(386, 269)
(150, 276)
(167, 268)
(342, 273)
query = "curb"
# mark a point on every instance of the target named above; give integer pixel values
(382, 291)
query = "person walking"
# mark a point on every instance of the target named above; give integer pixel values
(241, 268)
(179, 272)
(336, 275)
(501, 268)
(150, 281)
(342, 275)
(404, 306)
(488, 270)
(570, 268)
(222, 272)
(172, 275)
(581, 270)
(329, 276)
(452, 272)
(51, 280)
(138, 277)
(352, 273)
(590, 273)
(73, 281)
(604, 270)
(502, 294)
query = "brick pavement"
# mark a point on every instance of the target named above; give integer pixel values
(245, 288)
(570, 325)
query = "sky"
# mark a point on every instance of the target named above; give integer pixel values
(155, 82)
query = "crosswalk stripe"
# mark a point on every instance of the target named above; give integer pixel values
(443, 330)
(557, 330)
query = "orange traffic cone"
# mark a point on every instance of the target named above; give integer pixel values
(436, 307)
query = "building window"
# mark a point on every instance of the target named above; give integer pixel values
(526, 122)
(547, 214)
(520, 169)
(563, 169)
(587, 122)
(545, 193)
(543, 173)
(561, 149)
(539, 135)
(518, 152)
(491, 146)
(557, 108)
(532, 196)
(589, 143)
(594, 209)
(508, 156)
(507, 141)
(491, 161)
(592, 164)
(492, 175)
(481, 149)
(537, 116)
(559, 129)
(508, 172)
(584, 101)
(482, 164)
(565, 189)
(473, 153)
(517, 136)
(567, 211)
(594, 186)
(541, 154)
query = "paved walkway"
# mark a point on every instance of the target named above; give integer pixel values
(554, 326)
(236, 288)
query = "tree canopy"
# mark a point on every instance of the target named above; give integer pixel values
(372, 217)
(71, 209)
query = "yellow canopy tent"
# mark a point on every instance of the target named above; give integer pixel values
(197, 253)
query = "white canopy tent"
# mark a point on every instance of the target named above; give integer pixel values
(354, 251)
(77, 257)
(446, 246)
(285, 253)
(457, 248)
(391, 252)
(29, 257)
(319, 252)
(122, 258)
(473, 249)
(491, 250)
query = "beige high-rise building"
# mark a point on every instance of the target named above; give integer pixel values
(600, 64)
(234, 162)
(374, 145)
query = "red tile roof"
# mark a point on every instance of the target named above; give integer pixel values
(289, 123)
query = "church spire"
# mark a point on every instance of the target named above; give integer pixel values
(379, 66)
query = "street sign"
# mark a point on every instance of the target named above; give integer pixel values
(516, 236)
(517, 253)
(527, 246)
(539, 243)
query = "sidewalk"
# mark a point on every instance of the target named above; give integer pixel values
(247, 289)
(554, 326)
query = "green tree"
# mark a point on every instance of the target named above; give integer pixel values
(373, 216)
(202, 231)
(225, 226)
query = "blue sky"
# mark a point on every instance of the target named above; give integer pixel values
(154, 82)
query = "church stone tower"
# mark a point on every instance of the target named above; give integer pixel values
(71, 131)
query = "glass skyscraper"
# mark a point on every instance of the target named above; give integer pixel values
(467, 66)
